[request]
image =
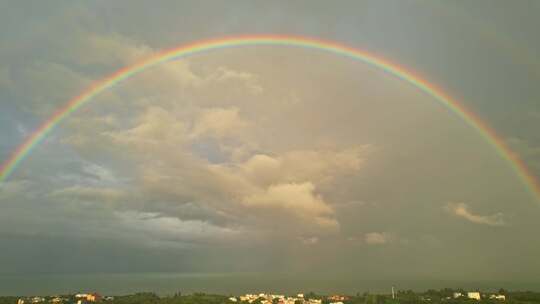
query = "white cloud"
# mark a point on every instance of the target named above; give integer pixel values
(99, 172)
(190, 112)
(462, 210)
(219, 122)
(296, 166)
(298, 199)
(310, 240)
(156, 127)
(378, 238)
(227, 75)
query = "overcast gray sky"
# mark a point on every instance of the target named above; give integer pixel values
(271, 159)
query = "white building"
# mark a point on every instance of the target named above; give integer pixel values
(457, 295)
(473, 295)
(498, 297)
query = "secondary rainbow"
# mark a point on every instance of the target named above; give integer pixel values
(8, 166)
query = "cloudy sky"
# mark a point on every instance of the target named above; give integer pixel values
(271, 159)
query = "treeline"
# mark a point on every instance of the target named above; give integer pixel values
(443, 296)
(151, 298)
(8, 300)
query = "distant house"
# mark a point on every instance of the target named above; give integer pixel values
(498, 297)
(473, 295)
(457, 295)
(89, 297)
(337, 298)
(93, 297)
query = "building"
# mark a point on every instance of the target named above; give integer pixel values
(93, 297)
(457, 295)
(498, 297)
(337, 298)
(473, 295)
(89, 297)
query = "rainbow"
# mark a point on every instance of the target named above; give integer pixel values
(8, 166)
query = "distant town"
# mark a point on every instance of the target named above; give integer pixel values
(447, 296)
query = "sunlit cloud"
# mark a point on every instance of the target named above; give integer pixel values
(462, 210)
(378, 238)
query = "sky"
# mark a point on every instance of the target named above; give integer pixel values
(271, 159)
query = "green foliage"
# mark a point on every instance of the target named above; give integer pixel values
(8, 300)
(443, 296)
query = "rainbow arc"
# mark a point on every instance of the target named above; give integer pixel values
(10, 165)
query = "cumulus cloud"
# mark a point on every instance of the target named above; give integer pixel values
(161, 140)
(313, 240)
(298, 199)
(462, 210)
(88, 129)
(155, 127)
(219, 122)
(228, 75)
(377, 238)
(99, 173)
(299, 165)
(205, 145)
